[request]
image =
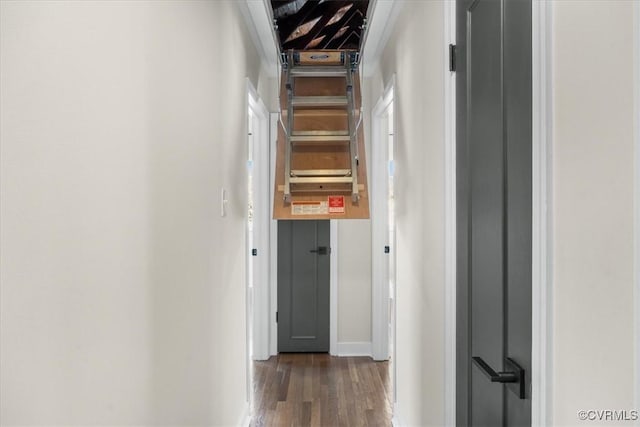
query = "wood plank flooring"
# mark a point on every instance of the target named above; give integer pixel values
(303, 389)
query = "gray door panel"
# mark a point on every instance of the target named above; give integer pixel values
(494, 207)
(463, 320)
(303, 286)
(518, 89)
(486, 227)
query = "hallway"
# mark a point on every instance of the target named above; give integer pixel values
(127, 207)
(304, 389)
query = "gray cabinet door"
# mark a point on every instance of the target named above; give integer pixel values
(494, 210)
(303, 286)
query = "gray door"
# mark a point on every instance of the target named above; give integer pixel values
(303, 286)
(494, 212)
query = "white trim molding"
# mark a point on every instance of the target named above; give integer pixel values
(542, 274)
(245, 417)
(258, 17)
(380, 292)
(257, 269)
(382, 15)
(450, 219)
(333, 288)
(396, 420)
(261, 289)
(273, 241)
(636, 204)
(352, 349)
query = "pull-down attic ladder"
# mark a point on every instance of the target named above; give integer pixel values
(320, 164)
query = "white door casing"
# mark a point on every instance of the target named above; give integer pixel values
(259, 236)
(381, 236)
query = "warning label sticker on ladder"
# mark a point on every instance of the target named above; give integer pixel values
(336, 204)
(309, 208)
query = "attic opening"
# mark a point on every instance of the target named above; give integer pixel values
(320, 162)
(319, 24)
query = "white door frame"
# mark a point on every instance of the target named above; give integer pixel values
(333, 288)
(449, 84)
(259, 296)
(542, 321)
(380, 293)
(542, 256)
(269, 318)
(636, 250)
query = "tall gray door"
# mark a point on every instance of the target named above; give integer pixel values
(303, 286)
(493, 56)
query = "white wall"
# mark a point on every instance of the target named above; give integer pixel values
(415, 54)
(122, 288)
(354, 267)
(354, 281)
(593, 189)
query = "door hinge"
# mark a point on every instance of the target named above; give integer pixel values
(387, 249)
(254, 252)
(452, 58)
(276, 317)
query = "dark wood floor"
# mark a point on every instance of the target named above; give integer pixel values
(320, 390)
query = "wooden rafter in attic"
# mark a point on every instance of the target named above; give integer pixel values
(320, 24)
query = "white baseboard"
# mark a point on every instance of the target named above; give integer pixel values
(354, 349)
(245, 418)
(396, 420)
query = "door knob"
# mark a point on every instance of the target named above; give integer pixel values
(513, 377)
(320, 250)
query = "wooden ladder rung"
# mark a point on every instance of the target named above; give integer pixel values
(319, 101)
(321, 172)
(321, 179)
(328, 71)
(319, 139)
(321, 132)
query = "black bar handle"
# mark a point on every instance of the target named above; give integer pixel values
(321, 250)
(495, 377)
(514, 377)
